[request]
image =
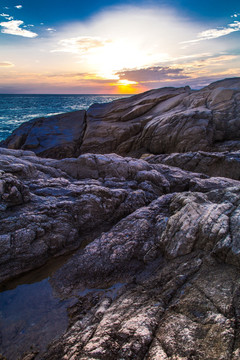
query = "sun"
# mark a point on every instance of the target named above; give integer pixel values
(126, 82)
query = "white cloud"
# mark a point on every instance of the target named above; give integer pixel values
(215, 33)
(18, 6)
(125, 37)
(6, 64)
(51, 29)
(81, 45)
(121, 38)
(6, 16)
(13, 28)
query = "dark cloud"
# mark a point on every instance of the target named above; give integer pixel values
(155, 73)
(194, 83)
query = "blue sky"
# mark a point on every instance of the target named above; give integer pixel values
(116, 46)
(60, 11)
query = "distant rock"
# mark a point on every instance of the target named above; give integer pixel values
(57, 136)
(166, 120)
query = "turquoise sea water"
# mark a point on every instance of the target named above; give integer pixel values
(16, 109)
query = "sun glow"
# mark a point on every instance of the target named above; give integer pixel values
(126, 82)
(122, 49)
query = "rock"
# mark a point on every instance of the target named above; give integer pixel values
(56, 136)
(116, 127)
(225, 164)
(178, 302)
(48, 207)
(153, 243)
(161, 241)
(162, 121)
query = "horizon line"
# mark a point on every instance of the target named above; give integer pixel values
(68, 94)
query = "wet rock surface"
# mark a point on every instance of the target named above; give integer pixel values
(156, 262)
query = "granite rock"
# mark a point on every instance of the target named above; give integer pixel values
(49, 207)
(224, 164)
(153, 242)
(57, 136)
(166, 120)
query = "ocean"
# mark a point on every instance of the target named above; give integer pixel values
(16, 109)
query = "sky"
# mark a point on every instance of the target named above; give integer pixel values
(117, 46)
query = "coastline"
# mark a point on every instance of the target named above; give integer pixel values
(143, 195)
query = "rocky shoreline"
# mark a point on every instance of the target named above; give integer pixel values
(145, 192)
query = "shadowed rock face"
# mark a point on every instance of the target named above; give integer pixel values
(57, 136)
(156, 261)
(159, 121)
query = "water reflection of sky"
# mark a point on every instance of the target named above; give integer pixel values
(30, 315)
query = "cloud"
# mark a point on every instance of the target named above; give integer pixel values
(18, 6)
(155, 73)
(81, 45)
(215, 33)
(119, 46)
(13, 28)
(114, 40)
(51, 29)
(6, 16)
(6, 64)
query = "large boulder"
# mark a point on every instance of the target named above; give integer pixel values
(159, 121)
(56, 136)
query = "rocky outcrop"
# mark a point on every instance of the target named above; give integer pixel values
(226, 164)
(163, 243)
(57, 136)
(177, 271)
(153, 243)
(159, 121)
(48, 207)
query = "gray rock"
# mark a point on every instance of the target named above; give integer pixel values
(57, 136)
(49, 207)
(181, 294)
(225, 164)
(163, 243)
(166, 120)
(155, 268)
